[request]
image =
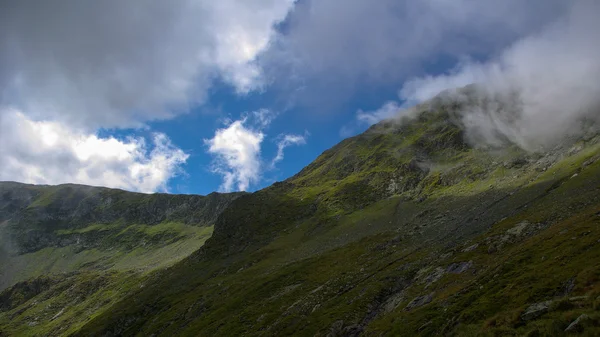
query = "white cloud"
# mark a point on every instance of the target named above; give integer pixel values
(545, 83)
(237, 151)
(43, 152)
(263, 117)
(72, 68)
(537, 91)
(355, 43)
(284, 141)
(388, 110)
(122, 63)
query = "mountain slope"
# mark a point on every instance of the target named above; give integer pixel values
(91, 245)
(405, 229)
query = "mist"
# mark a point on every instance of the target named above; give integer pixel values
(540, 90)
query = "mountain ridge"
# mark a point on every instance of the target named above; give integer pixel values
(409, 228)
(75, 220)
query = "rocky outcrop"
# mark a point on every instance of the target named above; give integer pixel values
(419, 302)
(536, 310)
(459, 267)
(576, 325)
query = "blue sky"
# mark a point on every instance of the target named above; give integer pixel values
(323, 128)
(195, 96)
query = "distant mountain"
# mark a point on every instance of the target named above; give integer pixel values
(411, 228)
(83, 243)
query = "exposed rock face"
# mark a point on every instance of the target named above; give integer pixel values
(419, 302)
(576, 325)
(435, 275)
(459, 267)
(470, 248)
(536, 310)
(515, 234)
(23, 291)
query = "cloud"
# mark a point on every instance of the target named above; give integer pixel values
(43, 152)
(263, 117)
(388, 110)
(71, 68)
(333, 47)
(237, 151)
(122, 63)
(537, 91)
(285, 140)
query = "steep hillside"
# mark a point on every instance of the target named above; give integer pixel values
(91, 245)
(73, 227)
(406, 229)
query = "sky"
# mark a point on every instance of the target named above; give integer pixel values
(196, 96)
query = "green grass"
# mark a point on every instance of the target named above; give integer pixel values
(102, 278)
(91, 228)
(337, 263)
(136, 247)
(68, 304)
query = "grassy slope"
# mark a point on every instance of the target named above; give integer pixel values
(102, 278)
(62, 303)
(56, 229)
(344, 247)
(182, 241)
(92, 246)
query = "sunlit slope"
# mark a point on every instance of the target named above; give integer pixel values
(404, 229)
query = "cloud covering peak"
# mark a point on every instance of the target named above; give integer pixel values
(537, 91)
(348, 44)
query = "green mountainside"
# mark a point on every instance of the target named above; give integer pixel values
(404, 230)
(85, 245)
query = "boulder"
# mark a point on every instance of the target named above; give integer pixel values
(419, 301)
(536, 310)
(459, 267)
(576, 326)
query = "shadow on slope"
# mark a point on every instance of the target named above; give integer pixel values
(280, 267)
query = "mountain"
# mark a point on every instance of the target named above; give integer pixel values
(91, 240)
(410, 228)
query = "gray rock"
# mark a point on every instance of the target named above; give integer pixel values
(519, 229)
(589, 161)
(471, 248)
(393, 302)
(536, 310)
(419, 301)
(434, 276)
(516, 163)
(515, 234)
(568, 286)
(353, 330)
(459, 267)
(336, 329)
(575, 326)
